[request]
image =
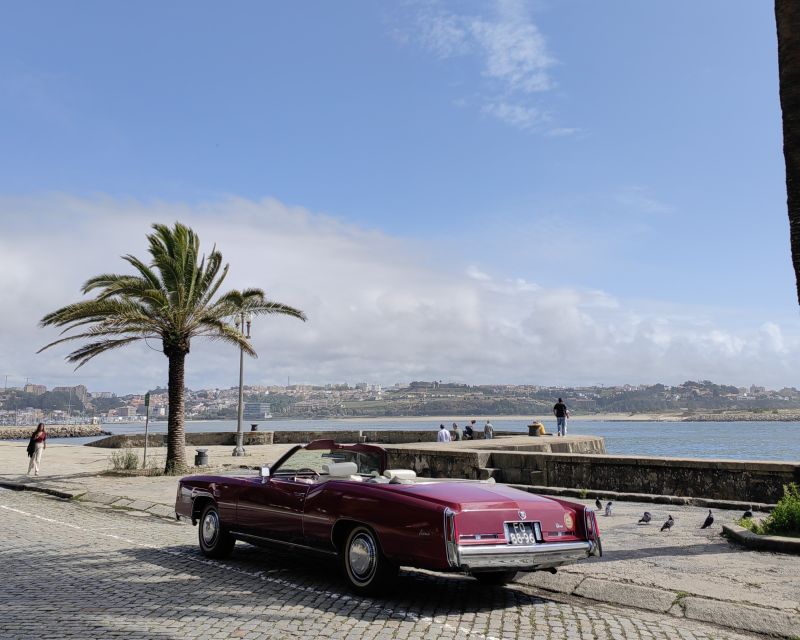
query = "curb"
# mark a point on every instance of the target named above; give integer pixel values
(17, 486)
(730, 615)
(589, 494)
(777, 544)
(105, 499)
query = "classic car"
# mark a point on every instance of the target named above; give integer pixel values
(342, 500)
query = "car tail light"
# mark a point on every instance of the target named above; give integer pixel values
(591, 525)
(450, 538)
(592, 531)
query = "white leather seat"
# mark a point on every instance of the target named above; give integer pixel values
(400, 474)
(340, 469)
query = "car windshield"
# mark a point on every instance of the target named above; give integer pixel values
(305, 460)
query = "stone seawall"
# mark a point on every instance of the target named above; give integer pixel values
(514, 462)
(276, 437)
(53, 431)
(745, 481)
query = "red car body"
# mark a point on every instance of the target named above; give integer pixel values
(482, 528)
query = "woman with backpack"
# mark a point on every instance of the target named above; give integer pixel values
(37, 444)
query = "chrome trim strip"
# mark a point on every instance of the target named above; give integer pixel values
(248, 536)
(516, 549)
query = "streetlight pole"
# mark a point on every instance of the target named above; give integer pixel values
(242, 321)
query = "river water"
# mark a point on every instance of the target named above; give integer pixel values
(733, 440)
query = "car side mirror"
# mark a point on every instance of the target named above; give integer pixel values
(264, 473)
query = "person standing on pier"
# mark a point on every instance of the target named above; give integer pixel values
(36, 446)
(561, 413)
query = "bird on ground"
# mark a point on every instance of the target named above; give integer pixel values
(668, 524)
(609, 508)
(598, 504)
(646, 518)
(748, 513)
(709, 521)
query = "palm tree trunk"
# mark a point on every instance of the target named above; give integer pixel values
(787, 17)
(176, 438)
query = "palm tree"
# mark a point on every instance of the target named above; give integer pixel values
(173, 300)
(787, 17)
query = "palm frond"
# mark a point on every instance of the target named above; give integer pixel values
(89, 351)
(219, 331)
(145, 271)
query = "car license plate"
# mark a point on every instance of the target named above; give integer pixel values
(521, 532)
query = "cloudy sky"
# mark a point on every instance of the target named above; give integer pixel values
(541, 192)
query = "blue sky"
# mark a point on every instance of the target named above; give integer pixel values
(578, 151)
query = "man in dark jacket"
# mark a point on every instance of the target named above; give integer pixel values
(561, 413)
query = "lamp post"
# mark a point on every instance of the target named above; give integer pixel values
(242, 321)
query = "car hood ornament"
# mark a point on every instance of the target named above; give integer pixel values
(522, 515)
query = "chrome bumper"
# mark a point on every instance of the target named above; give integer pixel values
(532, 557)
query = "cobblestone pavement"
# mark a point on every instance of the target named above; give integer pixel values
(75, 571)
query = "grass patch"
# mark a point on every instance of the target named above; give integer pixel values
(679, 599)
(124, 460)
(784, 519)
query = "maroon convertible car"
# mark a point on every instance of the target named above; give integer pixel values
(343, 501)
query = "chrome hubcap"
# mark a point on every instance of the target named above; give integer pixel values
(210, 527)
(361, 556)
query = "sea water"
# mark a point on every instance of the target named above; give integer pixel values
(732, 440)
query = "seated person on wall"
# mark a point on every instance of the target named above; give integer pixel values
(536, 429)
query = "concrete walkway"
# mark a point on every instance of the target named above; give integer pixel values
(686, 572)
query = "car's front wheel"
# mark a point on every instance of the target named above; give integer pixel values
(364, 566)
(215, 542)
(495, 578)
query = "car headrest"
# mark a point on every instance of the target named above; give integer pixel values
(340, 469)
(400, 474)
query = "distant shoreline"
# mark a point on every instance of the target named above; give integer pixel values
(744, 416)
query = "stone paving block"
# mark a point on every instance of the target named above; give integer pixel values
(162, 510)
(757, 619)
(562, 582)
(141, 505)
(626, 594)
(101, 498)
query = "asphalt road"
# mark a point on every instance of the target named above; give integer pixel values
(70, 570)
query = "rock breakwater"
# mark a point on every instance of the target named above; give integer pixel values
(53, 431)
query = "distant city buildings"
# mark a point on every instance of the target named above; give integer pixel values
(35, 389)
(256, 411)
(33, 402)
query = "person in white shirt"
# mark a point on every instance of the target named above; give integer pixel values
(488, 431)
(443, 435)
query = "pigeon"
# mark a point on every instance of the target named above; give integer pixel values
(646, 518)
(598, 504)
(609, 508)
(748, 513)
(668, 524)
(709, 521)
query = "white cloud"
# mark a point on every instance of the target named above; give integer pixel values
(377, 310)
(516, 115)
(513, 55)
(639, 200)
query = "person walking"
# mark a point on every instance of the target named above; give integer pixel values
(456, 432)
(488, 431)
(561, 413)
(443, 435)
(36, 446)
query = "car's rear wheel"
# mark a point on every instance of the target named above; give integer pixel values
(495, 578)
(215, 542)
(365, 567)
